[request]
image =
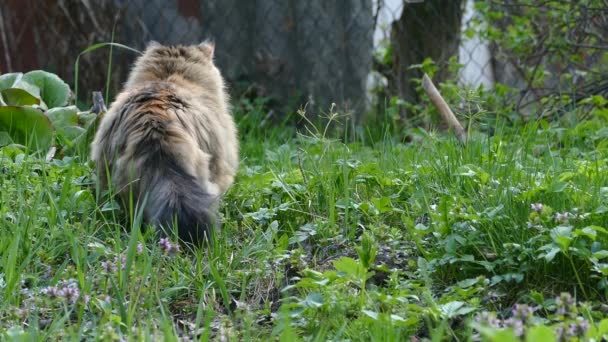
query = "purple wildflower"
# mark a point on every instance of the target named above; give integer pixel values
(561, 217)
(168, 247)
(72, 294)
(583, 326)
(559, 333)
(522, 312)
(165, 244)
(140, 248)
(123, 261)
(516, 324)
(538, 207)
(64, 290)
(51, 291)
(491, 296)
(21, 313)
(489, 319)
(565, 304)
(61, 292)
(108, 266)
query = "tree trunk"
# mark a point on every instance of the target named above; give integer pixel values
(426, 29)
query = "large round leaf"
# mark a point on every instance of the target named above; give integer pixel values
(82, 143)
(54, 92)
(27, 126)
(71, 133)
(65, 122)
(19, 97)
(63, 116)
(17, 91)
(8, 80)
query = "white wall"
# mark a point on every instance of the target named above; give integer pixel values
(473, 53)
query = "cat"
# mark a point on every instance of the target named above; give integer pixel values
(169, 138)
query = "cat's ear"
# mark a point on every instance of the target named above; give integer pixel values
(207, 47)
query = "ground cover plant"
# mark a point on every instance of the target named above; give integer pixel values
(327, 235)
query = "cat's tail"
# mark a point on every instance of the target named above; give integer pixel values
(174, 197)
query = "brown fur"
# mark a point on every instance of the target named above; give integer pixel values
(170, 136)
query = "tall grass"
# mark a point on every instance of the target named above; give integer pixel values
(327, 234)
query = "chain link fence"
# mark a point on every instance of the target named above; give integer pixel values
(315, 52)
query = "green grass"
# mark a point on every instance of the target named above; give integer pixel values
(321, 241)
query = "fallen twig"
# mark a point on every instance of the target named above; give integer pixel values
(443, 108)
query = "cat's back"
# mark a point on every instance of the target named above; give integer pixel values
(178, 113)
(152, 105)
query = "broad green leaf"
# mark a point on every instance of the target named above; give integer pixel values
(552, 253)
(562, 236)
(53, 91)
(397, 318)
(603, 327)
(465, 171)
(17, 91)
(5, 139)
(313, 300)
(71, 133)
(467, 282)
(597, 229)
(19, 97)
(371, 314)
(8, 80)
(62, 117)
(601, 254)
(27, 126)
(27, 86)
(13, 150)
(383, 204)
(540, 333)
(349, 266)
(558, 186)
(81, 143)
(456, 308)
(86, 118)
(587, 231)
(495, 335)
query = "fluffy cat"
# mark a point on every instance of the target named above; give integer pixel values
(169, 137)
